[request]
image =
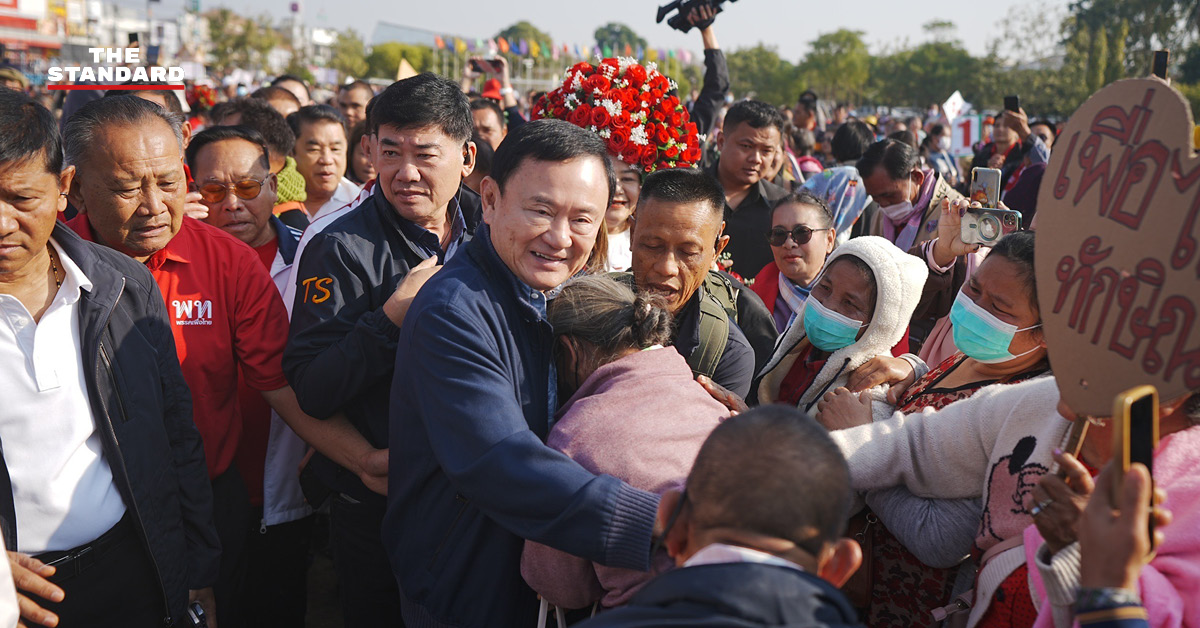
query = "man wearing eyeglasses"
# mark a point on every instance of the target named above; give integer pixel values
(226, 317)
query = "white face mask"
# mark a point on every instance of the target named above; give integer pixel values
(897, 212)
(944, 143)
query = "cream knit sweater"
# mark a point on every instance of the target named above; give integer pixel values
(995, 445)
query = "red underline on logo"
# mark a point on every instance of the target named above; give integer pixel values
(137, 88)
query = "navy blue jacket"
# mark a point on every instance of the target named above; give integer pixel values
(733, 595)
(342, 346)
(470, 475)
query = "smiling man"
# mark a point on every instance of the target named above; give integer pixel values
(347, 309)
(474, 392)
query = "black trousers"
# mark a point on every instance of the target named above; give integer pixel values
(115, 587)
(231, 518)
(275, 594)
(370, 595)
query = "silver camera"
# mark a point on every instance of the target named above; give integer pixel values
(985, 226)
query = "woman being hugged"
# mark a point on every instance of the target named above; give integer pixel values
(633, 411)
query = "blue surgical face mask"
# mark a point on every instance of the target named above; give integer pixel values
(980, 335)
(827, 330)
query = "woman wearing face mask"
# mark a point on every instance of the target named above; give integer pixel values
(936, 150)
(619, 217)
(857, 310)
(914, 545)
(801, 238)
(615, 363)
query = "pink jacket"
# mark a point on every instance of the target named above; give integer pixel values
(1170, 584)
(641, 419)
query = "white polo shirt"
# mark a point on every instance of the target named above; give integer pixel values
(63, 488)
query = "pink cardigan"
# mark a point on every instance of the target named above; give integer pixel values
(641, 419)
(1170, 584)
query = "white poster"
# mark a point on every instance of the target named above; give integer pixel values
(965, 133)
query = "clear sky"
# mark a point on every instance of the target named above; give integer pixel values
(786, 24)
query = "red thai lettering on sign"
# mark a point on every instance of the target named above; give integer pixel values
(1117, 251)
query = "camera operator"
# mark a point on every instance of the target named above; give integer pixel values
(716, 73)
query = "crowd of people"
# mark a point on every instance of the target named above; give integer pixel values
(642, 358)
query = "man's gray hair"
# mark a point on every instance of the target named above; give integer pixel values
(81, 130)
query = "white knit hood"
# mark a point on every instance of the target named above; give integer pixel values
(899, 279)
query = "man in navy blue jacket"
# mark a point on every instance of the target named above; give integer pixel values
(474, 393)
(349, 305)
(757, 535)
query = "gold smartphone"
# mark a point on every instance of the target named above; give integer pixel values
(1135, 436)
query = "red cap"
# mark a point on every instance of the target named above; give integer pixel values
(491, 89)
(989, 120)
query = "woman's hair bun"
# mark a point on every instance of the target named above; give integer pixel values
(651, 320)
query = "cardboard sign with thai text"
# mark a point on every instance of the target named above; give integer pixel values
(1118, 247)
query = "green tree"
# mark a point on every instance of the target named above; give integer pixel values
(929, 73)
(690, 77)
(941, 30)
(616, 36)
(223, 30)
(1153, 24)
(384, 59)
(349, 55)
(838, 65)
(239, 42)
(761, 73)
(1097, 57)
(298, 66)
(1114, 67)
(1189, 66)
(524, 30)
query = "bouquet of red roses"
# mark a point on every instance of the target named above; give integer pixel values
(629, 105)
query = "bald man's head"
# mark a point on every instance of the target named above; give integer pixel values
(772, 471)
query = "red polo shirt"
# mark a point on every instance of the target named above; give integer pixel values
(225, 315)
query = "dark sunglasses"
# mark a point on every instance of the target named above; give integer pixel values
(246, 189)
(801, 234)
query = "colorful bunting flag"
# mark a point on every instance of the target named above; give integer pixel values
(524, 46)
(460, 46)
(503, 44)
(439, 42)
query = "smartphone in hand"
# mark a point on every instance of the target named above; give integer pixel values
(1135, 435)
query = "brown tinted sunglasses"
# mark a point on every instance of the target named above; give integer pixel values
(246, 189)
